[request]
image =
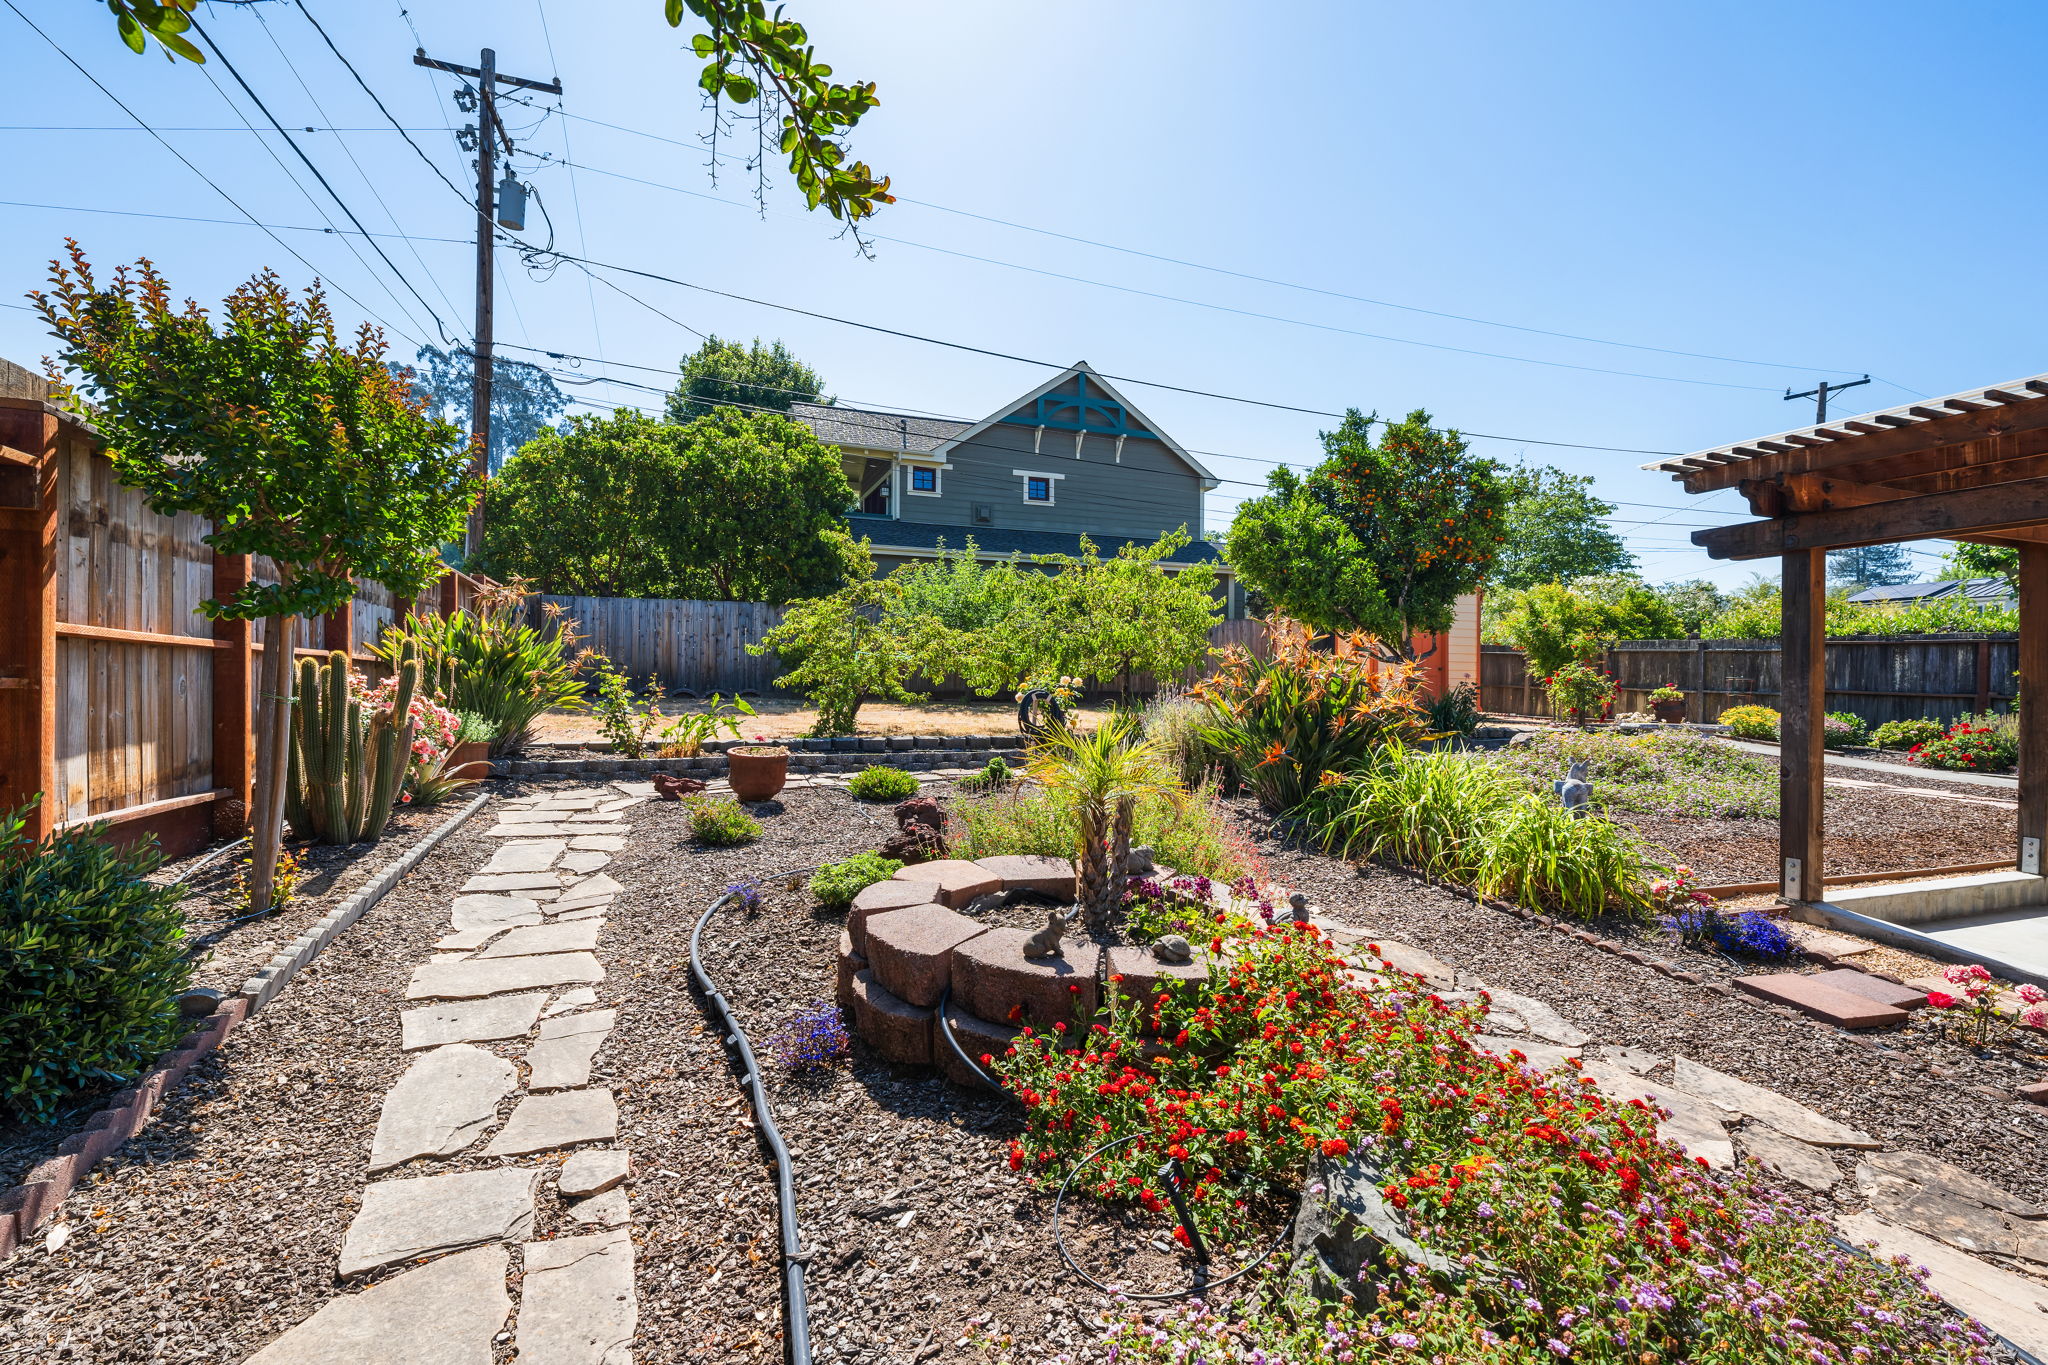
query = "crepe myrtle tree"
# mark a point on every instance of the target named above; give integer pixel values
(297, 446)
(1381, 538)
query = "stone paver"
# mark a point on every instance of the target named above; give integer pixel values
(1874, 987)
(443, 1102)
(597, 884)
(472, 1021)
(607, 1210)
(1830, 1004)
(598, 843)
(1787, 1116)
(537, 856)
(954, 881)
(591, 1172)
(463, 940)
(1519, 1014)
(1931, 1196)
(561, 1118)
(594, 910)
(494, 976)
(577, 936)
(569, 1000)
(532, 815)
(513, 881)
(1697, 1124)
(443, 1313)
(560, 1059)
(576, 1301)
(499, 912)
(2013, 1306)
(577, 860)
(1788, 1157)
(402, 1219)
(1542, 1056)
(551, 830)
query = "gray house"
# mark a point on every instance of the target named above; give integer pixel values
(1069, 458)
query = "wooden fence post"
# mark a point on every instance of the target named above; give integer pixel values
(28, 598)
(234, 746)
(338, 629)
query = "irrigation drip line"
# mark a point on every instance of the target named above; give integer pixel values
(796, 1308)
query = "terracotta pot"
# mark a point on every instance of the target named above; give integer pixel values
(1669, 712)
(757, 771)
(471, 758)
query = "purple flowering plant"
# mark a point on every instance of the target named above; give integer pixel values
(813, 1037)
(746, 896)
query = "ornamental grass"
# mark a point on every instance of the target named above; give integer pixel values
(1562, 1227)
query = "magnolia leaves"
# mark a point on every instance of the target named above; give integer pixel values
(141, 20)
(749, 52)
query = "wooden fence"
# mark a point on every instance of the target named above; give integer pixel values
(697, 648)
(1877, 677)
(118, 700)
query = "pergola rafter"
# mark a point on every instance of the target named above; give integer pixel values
(1972, 466)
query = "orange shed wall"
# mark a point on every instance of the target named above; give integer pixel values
(1455, 658)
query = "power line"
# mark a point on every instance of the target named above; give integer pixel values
(193, 128)
(1052, 365)
(1218, 307)
(575, 199)
(185, 160)
(232, 222)
(332, 193)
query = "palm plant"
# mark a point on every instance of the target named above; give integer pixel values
(1102, 775)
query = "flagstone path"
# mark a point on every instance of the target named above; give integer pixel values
(503, 1038)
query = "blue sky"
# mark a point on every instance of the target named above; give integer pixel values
(1827, 188)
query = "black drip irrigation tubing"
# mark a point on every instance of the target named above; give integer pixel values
(796, 1305)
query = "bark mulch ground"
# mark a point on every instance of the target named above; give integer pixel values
(227, 950)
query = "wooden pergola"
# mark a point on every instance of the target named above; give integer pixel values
(1969, 467)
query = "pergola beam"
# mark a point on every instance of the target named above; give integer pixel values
(1964, 512)
(1941, 428)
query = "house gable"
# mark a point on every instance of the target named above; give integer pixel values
(1080, 402)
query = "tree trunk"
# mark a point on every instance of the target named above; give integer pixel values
(1120, 852)
(274, 726)
(1094, 870)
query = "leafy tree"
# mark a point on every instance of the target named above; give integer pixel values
(756, 59)
(724, 373)
(1694, 602)
(1966, 559)
(1555, 530)
(1553, 626)
(734, 507)
(847, 648)
(1869, 566)
(1379, 538)
(1633, 609)
(1109, 619)
(524, 398)
(295, 445)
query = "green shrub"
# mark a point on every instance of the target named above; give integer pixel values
(1905, 734)
(993, 777)
(1191, 834)
(1174, 722)
(722, 824)
(882, 784)
(1842, 730)
(1456, 712)
(1461, 819)
(485, 661)
(836, 884)
(91, 964)
(1751, 722)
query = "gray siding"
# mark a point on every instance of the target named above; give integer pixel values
(1148, 494)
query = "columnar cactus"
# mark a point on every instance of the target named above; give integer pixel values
(346, 774)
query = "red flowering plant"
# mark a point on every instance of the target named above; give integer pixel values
(1569, 1228)
(1966, 748)
(1971, 1014)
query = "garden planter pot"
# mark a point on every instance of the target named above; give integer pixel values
(471, 759)
(1669, 712)
(757, 771)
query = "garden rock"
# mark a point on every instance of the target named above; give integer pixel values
(404, 1219)
(2014, 1306)
(1348, 1227)
(576, 1303)
(560, 1058)
(493, 912)
(443, 1102)
(669, 787)
(443, 1313)
(1787, 1116)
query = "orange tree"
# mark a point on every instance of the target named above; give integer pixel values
(297, 445)
(1380, 538)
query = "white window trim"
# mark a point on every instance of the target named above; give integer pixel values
(938, 487)
(1052, 487)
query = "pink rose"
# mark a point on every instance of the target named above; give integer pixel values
(2032, 995)
(2035, 1016)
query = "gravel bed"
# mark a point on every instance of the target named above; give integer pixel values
(228, 954)
(1867, 830)
(1907, 1089)
(219, 1225)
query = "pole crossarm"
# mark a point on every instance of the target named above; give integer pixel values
(553, 87)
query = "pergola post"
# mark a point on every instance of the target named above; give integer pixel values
(1802, 709)
(2033, 705)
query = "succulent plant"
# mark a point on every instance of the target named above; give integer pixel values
(346, 772)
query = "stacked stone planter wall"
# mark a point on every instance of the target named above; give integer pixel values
(844, 754)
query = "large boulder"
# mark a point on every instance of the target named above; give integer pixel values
(1348, 1227)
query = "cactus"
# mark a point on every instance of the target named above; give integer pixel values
(345, 774)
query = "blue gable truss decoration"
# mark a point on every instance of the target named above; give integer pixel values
(1077, 411)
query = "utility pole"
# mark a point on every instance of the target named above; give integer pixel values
(489, 132)
(1819, 394)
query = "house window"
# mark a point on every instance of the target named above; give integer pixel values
(924, 481)
(1038, 487)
